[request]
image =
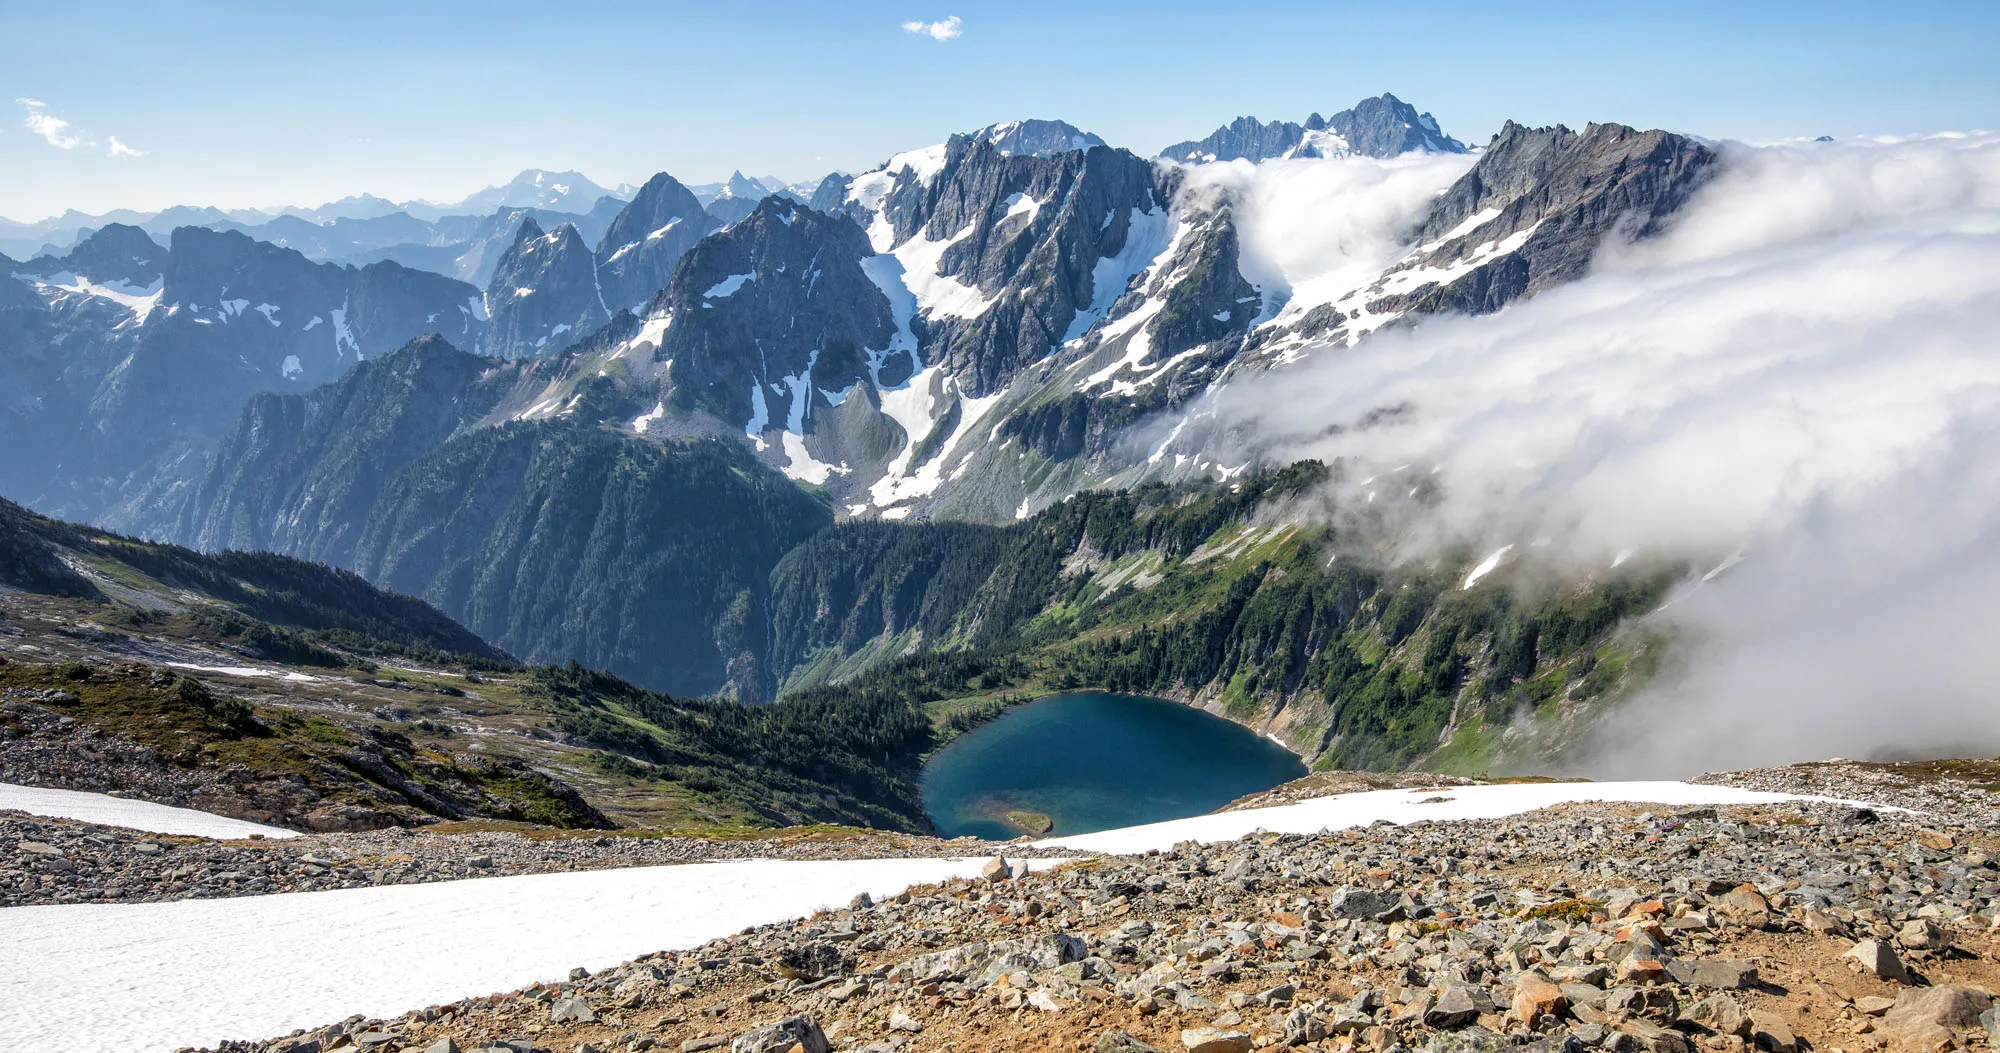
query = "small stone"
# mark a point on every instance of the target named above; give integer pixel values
(704, 1044)
(997, 870)
(901, 1020)
(1215, 1040)
(443, 1045)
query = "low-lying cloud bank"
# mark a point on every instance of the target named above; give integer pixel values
(1805, 369)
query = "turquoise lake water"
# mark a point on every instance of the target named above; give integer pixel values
(1093, 761)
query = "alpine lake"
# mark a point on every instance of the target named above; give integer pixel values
(1079, 763)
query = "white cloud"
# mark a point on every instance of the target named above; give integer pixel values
(118, 149)
(50, 127)
(1804, 369)
(948, 29)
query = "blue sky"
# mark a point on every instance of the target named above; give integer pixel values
(258, 104)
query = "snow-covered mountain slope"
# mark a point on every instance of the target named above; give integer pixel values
(1041, 301)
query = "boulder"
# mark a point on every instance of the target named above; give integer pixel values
(1537, 996)
(1648, 1002)
(1718, 1013)
(1455, 1008)
(1933, 1014)
(1360, 903)
(1215, 1040)
(1879, 960)
(571, 1011)
(794, 1034)
(1722, 973)
(1116, 1041)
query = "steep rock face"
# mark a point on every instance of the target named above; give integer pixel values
(650, 235)
(558, 540)
(544, 293)
(115, 253)
(1549, 196)
(772, 319)
(300, 473)
(831, 192)
(1001, 251)
(569, 539)
(1384, 126)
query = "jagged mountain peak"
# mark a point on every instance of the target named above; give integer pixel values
(1039, 138)
(1383, 126)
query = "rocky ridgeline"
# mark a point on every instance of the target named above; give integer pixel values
(1779, 929)
(59, 861)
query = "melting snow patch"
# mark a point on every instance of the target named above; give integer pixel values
(248, 670)
(293, 368)
(131, 815)
(645, 420)
(801, 465)
(726, 287)
(1485, 567)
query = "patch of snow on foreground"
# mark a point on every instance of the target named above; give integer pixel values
(158, 976)
(1407, 806)
(132, 815)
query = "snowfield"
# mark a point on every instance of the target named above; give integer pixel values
(1410, 806)
(155, 976)
(132, 815)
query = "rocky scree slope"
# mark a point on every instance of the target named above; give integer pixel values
(1777, 928)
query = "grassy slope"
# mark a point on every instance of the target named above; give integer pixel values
(97, 617)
